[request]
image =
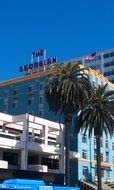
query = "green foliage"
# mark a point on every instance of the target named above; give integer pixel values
(66, 91)
(98, 114)
(67, 87)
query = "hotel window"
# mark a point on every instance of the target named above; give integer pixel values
(108, 73)
(107, 55)
(112, 146)
(113, 133)
(6, 93)
(95, 155)
(101, 142)
(113, 159)
(41, 86)
(84, 138)
(101, 157)
(12, 158)
(85, 171)
(30, 88)
(108, 174)
(41, 99)
(14, 104)
(112, 54)
(15, 92)
(107, 157)
(30, 101)
(51, 163)
(40, 113)
(106, 144)
(108, 64)
(94, 141)
(5, 107)
(84, 154)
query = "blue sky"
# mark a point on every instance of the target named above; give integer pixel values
(65, 28)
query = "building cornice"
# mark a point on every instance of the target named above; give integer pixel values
(46, 73)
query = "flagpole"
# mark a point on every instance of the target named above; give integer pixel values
(38, 59)
(31, 58)
(102, 64)
(44, 58)
(83, 61)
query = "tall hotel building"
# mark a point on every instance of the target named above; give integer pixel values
(102, 61)
(26, 95)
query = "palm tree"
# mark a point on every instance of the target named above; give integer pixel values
(66, 90)
(97, 115)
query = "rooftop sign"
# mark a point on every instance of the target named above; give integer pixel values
(37, 62)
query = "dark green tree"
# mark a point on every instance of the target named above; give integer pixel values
(66, 91)
(98, 116)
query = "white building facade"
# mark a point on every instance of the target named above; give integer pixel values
(102, 61)
(31, 143)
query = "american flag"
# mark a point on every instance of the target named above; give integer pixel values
(90, 57)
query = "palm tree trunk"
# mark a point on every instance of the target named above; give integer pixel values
(98, 163)
(67, 122)
(67, 156)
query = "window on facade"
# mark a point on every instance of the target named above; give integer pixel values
(30, 101)
(108, 174)
(101, 157)
(5, 107)
(107, 157)
(71, 137)
(108, 73)
(113, 133)
(14, 104)
(101, 142)
(15, 92)
(94, 141)
(32, 160)
(106, 144)
(12, 158)
(6, 93)
(113, 159)
(84, 154)
(95, 171)
(30, 88)
(85, 171)
(112, 146)
(41, 99)
(84, 138)
(95, 155)
(41, 86)
(108, 64)
(40, 113)
(51, 163)
(107, 55)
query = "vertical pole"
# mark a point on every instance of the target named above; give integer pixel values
(90, 162)
(46, 135)
(99, 163)
(62, 156)
(44, 58)
(24, 152)
(102, 64)
(26, 140)
(38, 59)
(31, 58)
(83, 61)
